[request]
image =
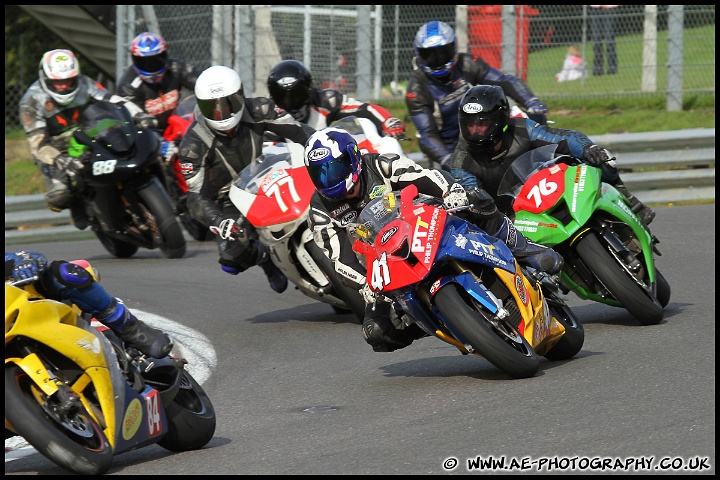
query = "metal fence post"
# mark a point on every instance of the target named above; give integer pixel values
(675, 58)
(364, 53)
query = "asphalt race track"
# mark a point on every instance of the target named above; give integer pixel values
(297, 390)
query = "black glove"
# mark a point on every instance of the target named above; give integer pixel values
(595, 156)
(146, 120)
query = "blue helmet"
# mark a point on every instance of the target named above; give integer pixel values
(333, 160)
(436, 49)
(149, 57)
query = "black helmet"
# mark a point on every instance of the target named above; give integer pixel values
(290, 86)
(483, 116)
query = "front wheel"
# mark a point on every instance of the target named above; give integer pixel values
(118, 248)
(171, 238)
(572, 340)
(70, 437)
(191, 417)
(496, 340)
(663, 289)
(633, 297)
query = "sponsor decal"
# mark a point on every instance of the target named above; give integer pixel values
(472, 108)
(434, 287)
(186, 168)
(340, 210)
(132, 419)
(485, 250)
(387, 235)
(522, 291)
(348, 218)
(460, 241)
(377, 191)
(318, 154)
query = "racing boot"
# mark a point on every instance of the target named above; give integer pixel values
(79, 217)
(149, 341)
(59, 197)
(528, 253)
(645, 213)
(380, 333)
(277, 279)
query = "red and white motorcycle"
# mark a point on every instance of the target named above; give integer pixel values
(273, 193)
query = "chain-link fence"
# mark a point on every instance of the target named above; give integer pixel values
(366, 50)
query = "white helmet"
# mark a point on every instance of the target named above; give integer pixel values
(220, 97)
(59, 75)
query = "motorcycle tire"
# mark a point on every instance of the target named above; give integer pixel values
(498, 342)
(191, 418)
(572, 340)
(116, 247)
(634, 298)
(73, 440)
(172, 241)
(663, 289)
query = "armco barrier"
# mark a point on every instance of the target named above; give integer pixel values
(659, 167)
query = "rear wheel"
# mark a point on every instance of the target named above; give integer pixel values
(191, 417)
(619, 282)
(498, 341)
(70, 437)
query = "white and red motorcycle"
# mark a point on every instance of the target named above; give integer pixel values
(273, 193)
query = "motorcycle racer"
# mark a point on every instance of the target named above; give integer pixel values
(439, 78)
(291, 87)
(224, 137)
(61, 280)
(49, 112)
(490, 141)
(345, 181)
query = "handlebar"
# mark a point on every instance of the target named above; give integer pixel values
(23, 281)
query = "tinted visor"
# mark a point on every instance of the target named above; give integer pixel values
(222, 108)
(151, 64)
(291, 100)
(477, 125)
(329, 174)
(438, 58)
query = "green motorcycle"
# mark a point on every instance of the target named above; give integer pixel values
(609, 252)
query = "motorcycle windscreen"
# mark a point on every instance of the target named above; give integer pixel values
(110, 125)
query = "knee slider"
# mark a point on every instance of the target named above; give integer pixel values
(71, 275)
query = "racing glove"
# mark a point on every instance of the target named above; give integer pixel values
(596, 156)
(146, 120)
(456, 197)
(167, 150)
(27, 264)
(537, 111)
(228, 229)
(394, 127)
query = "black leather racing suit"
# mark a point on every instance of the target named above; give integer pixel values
(521, 136)
(433, 105)
(160, 99)
(210, 161)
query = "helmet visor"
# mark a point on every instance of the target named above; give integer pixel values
(222, 108)
(151, 64)
(62, 86)
(291, 100)
(327, 175)
(438, 58)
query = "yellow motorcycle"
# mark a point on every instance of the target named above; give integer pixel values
(80, 397)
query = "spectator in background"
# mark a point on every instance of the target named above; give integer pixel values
(602, 34)
(573, 66)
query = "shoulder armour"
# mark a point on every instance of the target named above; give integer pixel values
(385, 163)
(263, 108)
(330, 99)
